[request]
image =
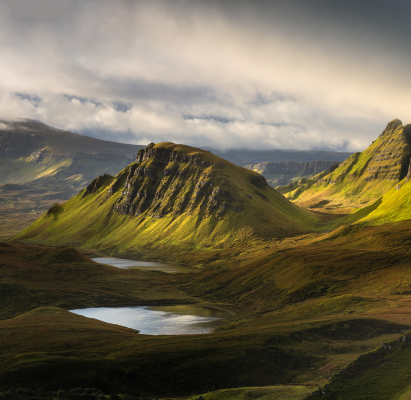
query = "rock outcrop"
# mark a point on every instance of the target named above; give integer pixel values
(97, 183)
(164, 180)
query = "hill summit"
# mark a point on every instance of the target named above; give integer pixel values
(171, 194)
(363, 177)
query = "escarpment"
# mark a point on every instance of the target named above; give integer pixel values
(281, 173)
(362, 177)
(164, 180)
(391, 157)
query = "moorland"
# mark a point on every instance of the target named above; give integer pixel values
(316, 274)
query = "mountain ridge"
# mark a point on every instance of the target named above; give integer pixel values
(281, 173)
(363, 177)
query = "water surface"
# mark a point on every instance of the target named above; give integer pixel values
(161, 320)
(145, 265)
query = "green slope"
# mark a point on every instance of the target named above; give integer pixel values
(362, 178)
(173, 196)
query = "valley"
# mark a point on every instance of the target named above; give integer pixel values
(314, 279)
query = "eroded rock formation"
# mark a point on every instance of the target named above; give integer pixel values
(164, 181)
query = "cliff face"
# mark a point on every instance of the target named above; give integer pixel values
(281, 173)
(167, 181)
(391, 155)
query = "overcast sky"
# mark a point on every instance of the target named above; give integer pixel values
(308, 74)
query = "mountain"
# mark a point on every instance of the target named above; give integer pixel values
(362, 178)
(171, 197)
(31, 150)
(282, 173)
(41, 165)
(243, 157)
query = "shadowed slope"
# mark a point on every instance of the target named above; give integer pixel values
(281, 173)
(355, 261)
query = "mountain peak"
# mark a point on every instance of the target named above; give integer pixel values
(392, 126)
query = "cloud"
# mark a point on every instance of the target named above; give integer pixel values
(261, 74)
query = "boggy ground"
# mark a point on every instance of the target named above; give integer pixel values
(309, 305)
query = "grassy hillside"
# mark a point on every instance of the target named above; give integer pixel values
(361, 179)
(363, 262)
(262, 393)
(176, 198)
(31, 150)
(34, 276)
(382, 373)
(308, 310)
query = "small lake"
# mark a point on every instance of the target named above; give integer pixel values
(161, 320)
(145, 265)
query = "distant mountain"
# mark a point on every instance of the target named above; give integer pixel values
(282, 173)
(48, 165)
(24, 137)
(361, 179)
(243, 157)
(172, 196)
(31, 150)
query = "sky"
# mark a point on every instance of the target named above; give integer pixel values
(307, 74)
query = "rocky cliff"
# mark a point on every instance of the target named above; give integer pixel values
(167, 180)
(281, 173)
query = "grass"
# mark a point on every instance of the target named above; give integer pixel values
(262, 393)
(35, 276)
(290, 329)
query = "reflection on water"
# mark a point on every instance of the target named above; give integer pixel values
(145, 265)
(161, 320)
